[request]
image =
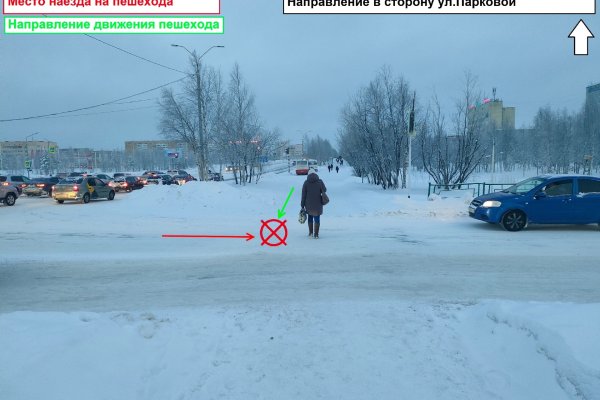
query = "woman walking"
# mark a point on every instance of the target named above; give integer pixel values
(312, 191)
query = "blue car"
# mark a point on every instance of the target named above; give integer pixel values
(547, 199)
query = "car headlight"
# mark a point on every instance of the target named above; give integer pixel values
(491, 204)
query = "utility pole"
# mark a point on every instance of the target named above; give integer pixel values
(201, 122)
(411, 134)
(201, 117)
(493, 156)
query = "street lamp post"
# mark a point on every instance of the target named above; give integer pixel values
(411, 134)
(203, 150)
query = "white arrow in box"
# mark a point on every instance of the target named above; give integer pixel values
(581, 35)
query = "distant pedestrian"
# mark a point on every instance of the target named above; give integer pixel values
(312, 190)
(337, 169)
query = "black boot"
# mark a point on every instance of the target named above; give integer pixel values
(317, 231)
(310, 229)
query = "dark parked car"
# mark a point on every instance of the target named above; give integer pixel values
(215, 176)
(182, 179)
(547, 199)
(41, 186)
(167, 179)
(128, 184)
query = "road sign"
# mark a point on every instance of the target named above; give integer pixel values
(28, 164)
(52, 149)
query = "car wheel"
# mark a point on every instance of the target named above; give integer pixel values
(111, 195)
(10, 199)
(86, 198)
(60, 201)
(514, 220)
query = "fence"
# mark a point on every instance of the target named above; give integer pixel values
(479, 188)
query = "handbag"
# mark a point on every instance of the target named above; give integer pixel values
(302, 216)
(324, 198)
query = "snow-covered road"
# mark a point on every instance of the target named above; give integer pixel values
(399, 273)
(109, 256)
(400, 298)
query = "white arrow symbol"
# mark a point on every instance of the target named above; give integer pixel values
(581, 33)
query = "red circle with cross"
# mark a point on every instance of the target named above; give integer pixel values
(270, 232)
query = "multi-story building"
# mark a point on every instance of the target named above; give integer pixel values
(158, 154)
(592, 94)
(38, 154)
(499, 116)
(76, 159)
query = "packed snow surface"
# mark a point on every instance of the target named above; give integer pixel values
(399, 298)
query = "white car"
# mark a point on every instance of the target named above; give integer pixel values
(8, 194)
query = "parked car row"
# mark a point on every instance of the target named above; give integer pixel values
(83, 187)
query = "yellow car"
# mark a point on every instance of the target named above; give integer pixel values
(82, 189)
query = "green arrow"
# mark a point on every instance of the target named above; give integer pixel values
(281, 212)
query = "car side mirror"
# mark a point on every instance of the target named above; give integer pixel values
(540, 195)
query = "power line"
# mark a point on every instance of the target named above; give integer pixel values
(134, 55)
(103, 112)
(130, 53)
(90, 107)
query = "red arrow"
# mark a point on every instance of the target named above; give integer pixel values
(247, 236)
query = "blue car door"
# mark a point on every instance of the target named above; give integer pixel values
(586, 202)
(553, 204)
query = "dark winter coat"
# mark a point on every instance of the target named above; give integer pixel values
(311, 195)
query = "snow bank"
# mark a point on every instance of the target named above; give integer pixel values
(343, 350)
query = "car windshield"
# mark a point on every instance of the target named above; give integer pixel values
(524, 186)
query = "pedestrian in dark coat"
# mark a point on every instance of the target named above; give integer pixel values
(311, 201)
(337, 169)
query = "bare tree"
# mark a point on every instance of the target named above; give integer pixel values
(190, 117)
(450, 157)
(242, 139)
(375, 123)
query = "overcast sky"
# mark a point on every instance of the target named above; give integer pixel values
(302, 68)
